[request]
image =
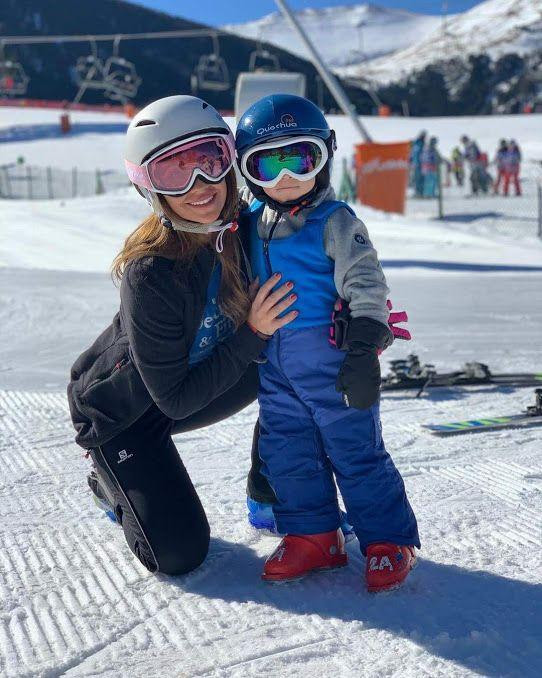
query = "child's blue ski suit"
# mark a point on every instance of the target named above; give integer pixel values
(307, 433)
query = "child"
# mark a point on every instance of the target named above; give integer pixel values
(319, 412)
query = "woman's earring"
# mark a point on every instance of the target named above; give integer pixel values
(166, 222)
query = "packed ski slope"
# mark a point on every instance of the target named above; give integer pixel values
(74, 601)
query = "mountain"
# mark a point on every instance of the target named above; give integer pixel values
(344, 35)
(494, 27)
(387, 45)
(165, 66)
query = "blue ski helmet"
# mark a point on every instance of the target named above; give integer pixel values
(278, 116)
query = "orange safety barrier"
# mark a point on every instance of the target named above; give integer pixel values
(65, 105)
(65, 124)
(382, 175)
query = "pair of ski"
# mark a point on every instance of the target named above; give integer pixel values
(409, 374)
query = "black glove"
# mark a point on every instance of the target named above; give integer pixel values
(359, 376)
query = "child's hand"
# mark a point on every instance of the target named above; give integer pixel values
(359, 376)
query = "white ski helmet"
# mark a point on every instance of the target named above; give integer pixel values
(162, 123)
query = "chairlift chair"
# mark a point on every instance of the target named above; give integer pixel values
(262, 59)
(89, 72)
(13, 78)
(120, 76)
(211, 73)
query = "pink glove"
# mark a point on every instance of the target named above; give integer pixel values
(398, 317)
(341, 314)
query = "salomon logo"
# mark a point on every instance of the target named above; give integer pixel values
(287, 120)
(123, 456)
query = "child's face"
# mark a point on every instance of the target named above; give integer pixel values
(289, 189)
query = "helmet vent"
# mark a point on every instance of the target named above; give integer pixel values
(143, 123)
(204, 106)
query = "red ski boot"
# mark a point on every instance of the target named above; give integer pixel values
(300, 554)
(388, 566)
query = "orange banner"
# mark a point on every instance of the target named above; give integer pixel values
(382, 175)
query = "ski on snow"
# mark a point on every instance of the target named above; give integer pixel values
(531, 417)
(410, 374)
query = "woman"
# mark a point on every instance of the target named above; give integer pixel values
(180, 353)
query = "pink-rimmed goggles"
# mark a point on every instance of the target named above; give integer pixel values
(174, 169)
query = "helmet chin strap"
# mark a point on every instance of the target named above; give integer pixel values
(219, 242)
(178, 224)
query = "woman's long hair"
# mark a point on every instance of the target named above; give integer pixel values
(152, 238)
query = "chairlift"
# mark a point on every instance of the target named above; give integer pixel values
(120, 76)
(211, 73)
(89, 72)
(13, 78)
(261, 59)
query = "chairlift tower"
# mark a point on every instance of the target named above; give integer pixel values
(331, 81)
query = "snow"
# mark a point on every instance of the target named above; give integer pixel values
(494, 27)
(360, 32)
(383, 45)
(74, 600)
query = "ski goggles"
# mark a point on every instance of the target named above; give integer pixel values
(299, 157)
(174, 169)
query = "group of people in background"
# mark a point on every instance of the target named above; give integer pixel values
(426, 160)
(508, 162)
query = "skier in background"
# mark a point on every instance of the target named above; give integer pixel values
(430, 161)
(473, 156)
(458, 166)
(486, 180)
(501, 164)
(319, 406)
(513, 163)
(416, 176)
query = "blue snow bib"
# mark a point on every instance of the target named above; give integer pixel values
(215, 327)
(302, 259)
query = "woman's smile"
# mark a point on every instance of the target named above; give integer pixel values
(203, 203)
(204, 200)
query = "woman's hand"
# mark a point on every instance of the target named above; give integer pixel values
(268, 305)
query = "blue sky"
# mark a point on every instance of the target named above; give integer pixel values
(217, 12)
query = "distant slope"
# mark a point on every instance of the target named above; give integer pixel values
(344, 35)
(386, 45)
(495, 27)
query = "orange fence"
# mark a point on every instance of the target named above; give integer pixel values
(382, 175)
(66, 105)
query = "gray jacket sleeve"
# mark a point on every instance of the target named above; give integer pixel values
(358, 274)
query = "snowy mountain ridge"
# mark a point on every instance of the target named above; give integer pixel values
(385, 45)
(360, 32)
(494, 27)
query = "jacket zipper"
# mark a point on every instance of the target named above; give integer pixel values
(266, 246)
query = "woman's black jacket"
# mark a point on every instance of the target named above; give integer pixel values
(143, 355)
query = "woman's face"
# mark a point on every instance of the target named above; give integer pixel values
(203, 203)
